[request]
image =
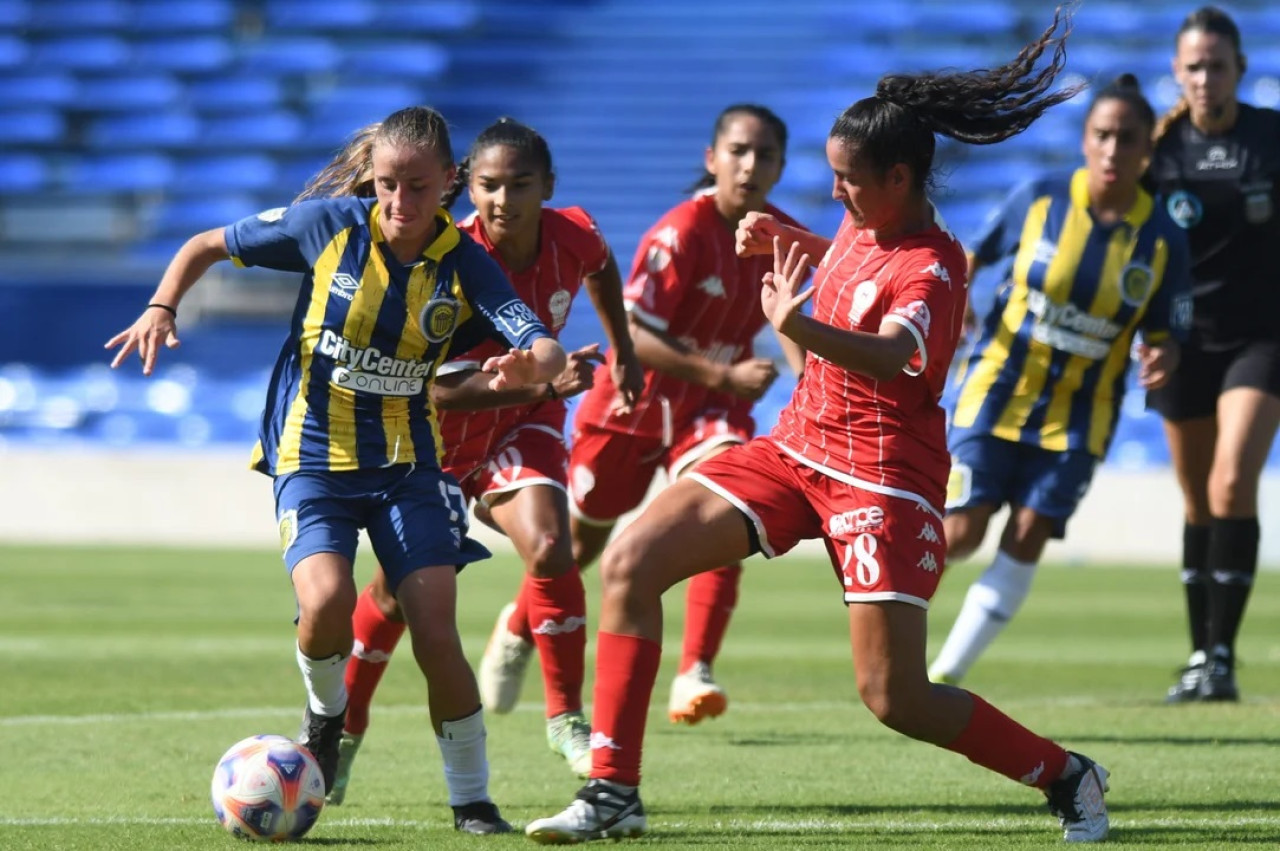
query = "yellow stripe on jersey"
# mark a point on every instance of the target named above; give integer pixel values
(1103, 400)
(412, 346)
(1059, 278)
(357, 329)
(993, 359)
(312, 324)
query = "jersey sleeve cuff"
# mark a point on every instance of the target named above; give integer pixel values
(919, 338)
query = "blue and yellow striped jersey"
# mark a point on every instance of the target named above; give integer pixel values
(351, 386)
(1050, 362)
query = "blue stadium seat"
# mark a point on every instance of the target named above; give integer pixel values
(982, 18)
(121, 92)
(303, 15)
(13, 51)
(22, 173)
(254, 130)
(14, 14)
(414, 59)
(32, 127)
(240, 93)
(355, 105)
(144, 130)
(140, 172)
(184, 54)
(186, 16)
(186, 216)
(296, 171)
(428, 17)
(43, 89)
(248, 172)
(64, 15)
(276, 55)
(82, 53)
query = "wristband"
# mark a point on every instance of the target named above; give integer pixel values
(551, 391)
(172, 311)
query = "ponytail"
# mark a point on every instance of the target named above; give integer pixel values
(1170, 118)
(459, 183)
(350, 172)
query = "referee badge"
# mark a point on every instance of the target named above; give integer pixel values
(1185, 209)
(1135, 284)
(438, 319)
(1257, 202)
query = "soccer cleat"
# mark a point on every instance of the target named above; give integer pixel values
(695, 695)
(570, 736)
(480, 818)
(1187, 688)
(602, 810)
(506, 657)
(1218, 682)
(321, 734)
(1077, 800)
(348, 745)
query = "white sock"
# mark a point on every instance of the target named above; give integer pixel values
(991, 603)
(466, 768)
(325, 682)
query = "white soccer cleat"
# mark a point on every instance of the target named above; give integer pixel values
(506, 658)
(602, 810)
(348, 747)
(1078, 802)
(569, 735)
(695, 695)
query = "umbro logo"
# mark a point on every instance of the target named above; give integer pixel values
(344, 286)
(713, 287)
(550, 627)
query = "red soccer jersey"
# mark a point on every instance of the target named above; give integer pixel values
(884, 436)
(688, 281)
(570, 248)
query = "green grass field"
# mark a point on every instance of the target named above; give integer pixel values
(124, 674)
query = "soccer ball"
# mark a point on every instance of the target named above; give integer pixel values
(268, 788)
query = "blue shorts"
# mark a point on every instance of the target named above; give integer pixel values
(988, 470)
(416, 517)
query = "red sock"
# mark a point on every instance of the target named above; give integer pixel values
(626, 668)
(558, 618)
(709, 603)
(518, 623)
(376, 638)
(995, 741)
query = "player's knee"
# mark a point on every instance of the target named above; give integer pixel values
(383, 599)
(550, 556)
(620, 566)
(1232, 493)
(964, 535)
(435, 640)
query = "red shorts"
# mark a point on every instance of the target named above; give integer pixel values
(529, 455)
(882, 546)
(610, 471)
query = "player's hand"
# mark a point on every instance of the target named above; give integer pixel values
(1156, 364)
(516, 368)
(779, 294)
(628, 376)
(154, 327)
(749, 379)
(579, 373)
(756, 233)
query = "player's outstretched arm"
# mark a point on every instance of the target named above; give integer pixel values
(468, 390)
(605, 290)
(757, 231)
(157, 324)
(747, 379)
(541, 362)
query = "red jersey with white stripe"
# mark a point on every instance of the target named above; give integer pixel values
(884, 436)
(688, 281)
(570, 248)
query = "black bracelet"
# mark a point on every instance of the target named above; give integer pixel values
(551, 391)
(172, 311)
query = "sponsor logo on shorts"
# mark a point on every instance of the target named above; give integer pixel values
(288, 529)
(858, 520)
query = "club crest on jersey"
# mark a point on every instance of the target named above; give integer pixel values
(864, 294)
(1135, 284)
(559, 307)
(438, 319)
(1185, 209)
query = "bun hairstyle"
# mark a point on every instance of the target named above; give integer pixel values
(1127, 89)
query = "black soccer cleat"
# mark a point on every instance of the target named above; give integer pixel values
(480, 818)
(321, 735)
(1187, 688)
(1079, 803)
(1219, 681)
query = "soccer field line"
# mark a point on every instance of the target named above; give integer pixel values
(755, 825)
(780, 708)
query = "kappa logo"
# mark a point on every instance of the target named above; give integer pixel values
(1033, 777)
(288, 528)
(550, 627)
(599, 741)
(917, 312)
(344, 286)
(928, 533)
(940, 272)
(377, 657)
(928, 562)
(713, 287)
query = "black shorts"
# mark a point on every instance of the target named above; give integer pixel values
(1202, 377)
